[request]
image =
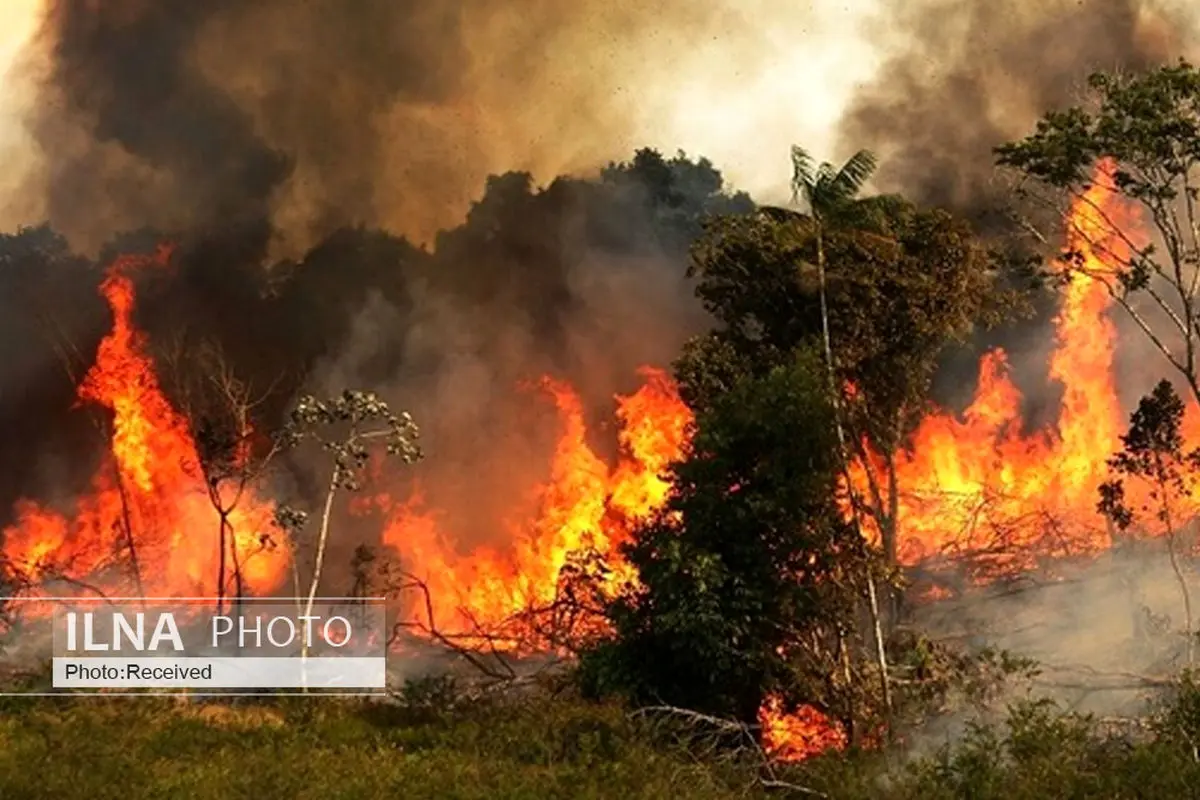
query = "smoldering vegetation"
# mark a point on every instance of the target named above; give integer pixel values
(289, 147)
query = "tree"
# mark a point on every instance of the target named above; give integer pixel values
(750, 578)
(218, 406)
(900, 285)
(1153, 452)
(1138, 136)
(344, 426)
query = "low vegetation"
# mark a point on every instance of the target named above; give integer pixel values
(430, 743)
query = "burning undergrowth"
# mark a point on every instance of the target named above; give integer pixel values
(978, 493)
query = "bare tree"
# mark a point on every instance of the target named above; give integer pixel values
(347, 427)
(219, 408)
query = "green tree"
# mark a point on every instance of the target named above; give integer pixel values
(750, 577)
(892, 286)
(1137, 134)
(1155, 454)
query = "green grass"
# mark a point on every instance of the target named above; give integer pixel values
(538, 747)
(128, 749)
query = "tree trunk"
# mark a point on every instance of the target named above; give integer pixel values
(319, 563)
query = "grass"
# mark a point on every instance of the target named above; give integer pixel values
(536, 746)
(128, 749)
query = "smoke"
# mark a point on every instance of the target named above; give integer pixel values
(584, 281)
(1106, 634)
(182, 116)
(960, 77)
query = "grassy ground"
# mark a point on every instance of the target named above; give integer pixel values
(539, 747)
(128, 749)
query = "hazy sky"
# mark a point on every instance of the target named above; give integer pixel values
(783, 80)
(17, 21)
(779, 73)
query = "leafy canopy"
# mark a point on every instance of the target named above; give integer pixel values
(748, 564)
(1138, 134)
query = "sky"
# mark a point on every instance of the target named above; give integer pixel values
(800, 69)
(18, 19)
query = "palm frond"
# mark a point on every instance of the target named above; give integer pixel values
(803, 175)
(849, 180)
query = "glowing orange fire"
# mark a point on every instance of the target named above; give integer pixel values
(586, 505)
(145, 526)
(970, 481)
(976, 482)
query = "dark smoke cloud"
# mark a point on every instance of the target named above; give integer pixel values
(306, 137)
(183, 115)
(963, 76)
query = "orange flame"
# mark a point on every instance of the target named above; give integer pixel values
(971, 481)
(799, 735)
(586, 505)
(978, 483)
(150, 492)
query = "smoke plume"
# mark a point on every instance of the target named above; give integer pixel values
(960, 77)
(182, 116)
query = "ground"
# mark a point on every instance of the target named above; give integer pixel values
(123, 748)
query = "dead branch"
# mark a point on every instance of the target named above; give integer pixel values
(768, 777)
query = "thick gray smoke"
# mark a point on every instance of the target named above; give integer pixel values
(255, 131)
(962, 76)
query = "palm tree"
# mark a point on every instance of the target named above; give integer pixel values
(829, 194)
(831, 197)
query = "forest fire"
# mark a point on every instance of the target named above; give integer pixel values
(585, 506)
(976, 483)
(140, 531)
(970, 482)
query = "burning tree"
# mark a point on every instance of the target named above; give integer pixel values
(218, 406)
(1138, 137)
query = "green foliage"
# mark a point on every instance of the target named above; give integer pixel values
(1149, 122)
(316, 750)
(896, 297)
(749, 576)
(430, 745)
